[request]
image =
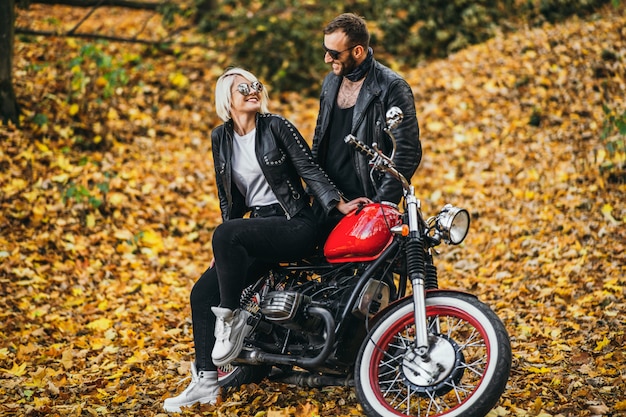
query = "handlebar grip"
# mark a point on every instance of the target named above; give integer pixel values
(360, 146)
(377, 160)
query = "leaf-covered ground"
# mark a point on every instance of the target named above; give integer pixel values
(99, 247)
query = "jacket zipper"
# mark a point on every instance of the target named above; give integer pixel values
(283, 207)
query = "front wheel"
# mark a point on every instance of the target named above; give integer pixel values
(464, 373)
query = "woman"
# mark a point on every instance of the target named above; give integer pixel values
(260, 160)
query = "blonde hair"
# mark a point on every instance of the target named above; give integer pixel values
(223, 92)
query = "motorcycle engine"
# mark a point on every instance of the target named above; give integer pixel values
(288, 309)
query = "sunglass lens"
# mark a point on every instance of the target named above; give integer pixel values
(333, 54)
(244, 89)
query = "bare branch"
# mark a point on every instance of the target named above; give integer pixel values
(163, 42)
(129, 4)
(71, 31)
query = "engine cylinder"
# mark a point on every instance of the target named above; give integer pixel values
(288, 309)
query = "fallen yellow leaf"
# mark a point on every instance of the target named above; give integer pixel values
(100, 324)
(16, 370)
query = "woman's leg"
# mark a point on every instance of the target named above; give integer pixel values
(204, 386)
(204, 295)
(238, 242)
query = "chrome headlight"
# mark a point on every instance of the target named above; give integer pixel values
(453, 224)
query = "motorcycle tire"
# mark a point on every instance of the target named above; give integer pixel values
(235, 376)
(466, 372)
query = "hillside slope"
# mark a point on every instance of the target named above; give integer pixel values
(107, 204)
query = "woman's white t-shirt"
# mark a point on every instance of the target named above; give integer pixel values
(247, 173)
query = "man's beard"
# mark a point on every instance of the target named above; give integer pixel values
(348, 66)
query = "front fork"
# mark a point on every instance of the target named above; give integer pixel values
(415, 257)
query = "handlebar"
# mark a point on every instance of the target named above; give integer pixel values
(378, 160)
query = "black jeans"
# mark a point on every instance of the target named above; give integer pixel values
(244, 249)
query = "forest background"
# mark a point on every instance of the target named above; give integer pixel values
(108, 199)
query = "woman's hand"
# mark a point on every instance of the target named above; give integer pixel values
(346, 207)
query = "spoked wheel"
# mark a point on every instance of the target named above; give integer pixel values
(464, 373)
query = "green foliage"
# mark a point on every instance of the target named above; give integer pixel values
(280, 41)
(40, 119)
(436, 28)
(86, 199)
(95, 72)
(557, 10)
(80, 194)
(614, 122)
(614, 139)
(168, 12)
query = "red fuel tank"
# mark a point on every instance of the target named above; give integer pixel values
(363, 234)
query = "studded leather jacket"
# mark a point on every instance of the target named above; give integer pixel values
(285, 159)
(381, 90)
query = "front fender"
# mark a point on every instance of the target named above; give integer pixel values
(429, 293)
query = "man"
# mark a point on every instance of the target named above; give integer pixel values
(355, 97)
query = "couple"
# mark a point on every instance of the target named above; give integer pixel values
(260, 160)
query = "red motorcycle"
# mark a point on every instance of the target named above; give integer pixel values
(369, 313)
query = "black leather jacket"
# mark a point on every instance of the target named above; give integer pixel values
(381, 90)
(285, 158)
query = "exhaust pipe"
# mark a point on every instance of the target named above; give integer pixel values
(257, 356)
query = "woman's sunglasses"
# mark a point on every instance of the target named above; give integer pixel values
(247, 89)
(335, 54)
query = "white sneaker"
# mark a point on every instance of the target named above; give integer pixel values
(230, 330)
(202, 389)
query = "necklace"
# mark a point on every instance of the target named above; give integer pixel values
(348, 93)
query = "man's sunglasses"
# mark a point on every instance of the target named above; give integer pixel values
(335, 54)
(247, 89)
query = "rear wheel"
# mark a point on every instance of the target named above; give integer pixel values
(466, 370)
(234, 376)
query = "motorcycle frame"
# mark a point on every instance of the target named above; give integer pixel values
(413, 245)
(413, 218)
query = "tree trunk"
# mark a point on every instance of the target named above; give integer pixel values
(9, 109)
